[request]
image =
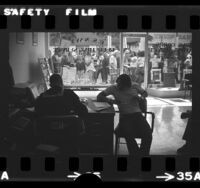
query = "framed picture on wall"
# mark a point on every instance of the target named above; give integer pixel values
(35, 38)
(20, 38)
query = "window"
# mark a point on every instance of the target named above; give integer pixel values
(92, 60)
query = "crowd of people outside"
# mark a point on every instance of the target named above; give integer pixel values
(94, 67)
(134, 65)
(89, 67)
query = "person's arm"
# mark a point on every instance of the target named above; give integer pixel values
(102, 96)
(140, 90)
(38, 107)
(78, 107)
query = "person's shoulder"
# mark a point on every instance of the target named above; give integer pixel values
(45, 93)
(135, 85)
(112, 87)
(42, 96)
(68, 91)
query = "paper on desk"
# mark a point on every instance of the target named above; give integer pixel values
(97, 106)
(101, 105)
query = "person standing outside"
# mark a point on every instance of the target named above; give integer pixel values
(113, 67)
(80, 69)
(89, 68)
(105, 68)
(140, 68)
(98, 67)
(133, 66)
(66, 67)
(117, 55)
(188, 62)
(126, 61)
(57, 61)
(49, 59)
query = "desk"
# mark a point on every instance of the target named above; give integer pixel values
(98, 137)
(99, 131)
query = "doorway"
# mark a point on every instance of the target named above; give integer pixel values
(134, 55)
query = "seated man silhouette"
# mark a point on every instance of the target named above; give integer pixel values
(58, 101)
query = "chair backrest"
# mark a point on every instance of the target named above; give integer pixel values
(143, 104)
(50, 105)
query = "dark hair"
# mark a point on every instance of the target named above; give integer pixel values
(124, 81)
(56, 80)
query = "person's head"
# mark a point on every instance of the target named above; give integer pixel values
(126, 51)
(56, 81)
(124, 82)
(117, 53)
(58, 51)
(101, 57)
(65, 52)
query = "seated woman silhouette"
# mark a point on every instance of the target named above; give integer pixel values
(132, 123)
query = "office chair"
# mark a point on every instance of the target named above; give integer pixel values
(143, 107)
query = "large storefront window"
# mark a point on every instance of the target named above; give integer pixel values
(153, 60)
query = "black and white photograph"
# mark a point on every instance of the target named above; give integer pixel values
(99, 93)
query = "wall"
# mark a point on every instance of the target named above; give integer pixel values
(23, 58)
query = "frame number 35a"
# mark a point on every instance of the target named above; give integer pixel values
(188, 176)
(180, 176)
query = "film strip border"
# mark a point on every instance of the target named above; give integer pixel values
(108, 18)
(146, 168)
(121, 19)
